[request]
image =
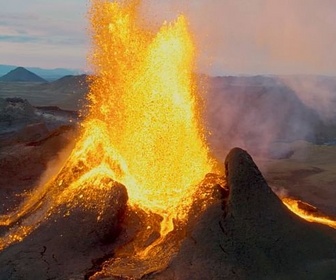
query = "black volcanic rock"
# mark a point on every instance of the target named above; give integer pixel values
(33, 132)
(21, 74)
(249, 193)
(252, 235)
(247, 234)
(16, 110)
(265, 237)
(81, 226)
(66, 242)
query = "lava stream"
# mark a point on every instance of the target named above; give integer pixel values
(310, 216)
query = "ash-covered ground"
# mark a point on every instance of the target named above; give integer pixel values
(244, 233)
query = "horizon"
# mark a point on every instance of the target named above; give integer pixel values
(261, 37)
(37, 67)
(80, 72)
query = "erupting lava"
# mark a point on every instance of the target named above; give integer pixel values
(142, 128)
(144, 109)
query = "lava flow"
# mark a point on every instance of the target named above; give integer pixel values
(307, 214)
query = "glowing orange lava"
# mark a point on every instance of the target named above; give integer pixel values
(144, 97)
(293, 205)
(142, 128)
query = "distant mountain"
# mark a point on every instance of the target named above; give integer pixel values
(71, 83)
(47, 74)
(67, 93)
(55, 74)
(21, 74)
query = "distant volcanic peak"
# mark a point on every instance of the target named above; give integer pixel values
(21, 74)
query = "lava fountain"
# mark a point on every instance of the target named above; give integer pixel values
(142, 127)
(144, 97)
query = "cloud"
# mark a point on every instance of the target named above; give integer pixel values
(42, 55)
(233, 37)
(259, 36)
(43, 34)
(14, 17)
(33, 29)
(40, 26)
(17, 39)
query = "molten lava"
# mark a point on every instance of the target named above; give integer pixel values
(143, 100)
(294, 206)
(142, 128)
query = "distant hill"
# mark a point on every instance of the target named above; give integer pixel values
(67, 93)
(21, 74)
(71, 83)
(47, 74)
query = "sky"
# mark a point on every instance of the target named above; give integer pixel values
(234, 37)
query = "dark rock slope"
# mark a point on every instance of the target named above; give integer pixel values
(253, 235)
(65, 244)
(243, 233)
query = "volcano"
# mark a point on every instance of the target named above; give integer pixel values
(138, 195)
(21, 74)
(244, 232)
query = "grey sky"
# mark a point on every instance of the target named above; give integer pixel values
(43, 33)
(233, 36)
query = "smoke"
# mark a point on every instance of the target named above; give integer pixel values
(260, 114)
(316, 92)
(258, 36)
(267, 115)
(266, 37)
(281, 192)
